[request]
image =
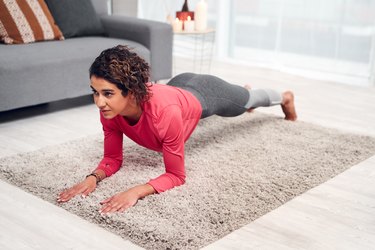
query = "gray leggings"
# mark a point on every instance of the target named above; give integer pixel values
(219, 97)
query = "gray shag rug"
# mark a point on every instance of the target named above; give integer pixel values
(237, 170)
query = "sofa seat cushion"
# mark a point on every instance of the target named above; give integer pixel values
(46, 71)
(67, 52)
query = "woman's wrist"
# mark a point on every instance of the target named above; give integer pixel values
(97, 177)
(98, 174)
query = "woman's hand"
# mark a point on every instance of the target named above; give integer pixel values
(119, 202)
(85, 188)
(124, 200)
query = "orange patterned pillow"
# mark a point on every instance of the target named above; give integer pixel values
(27, 21)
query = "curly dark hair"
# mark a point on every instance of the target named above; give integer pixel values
(124, 68)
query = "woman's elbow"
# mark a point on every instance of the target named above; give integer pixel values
(182, 179)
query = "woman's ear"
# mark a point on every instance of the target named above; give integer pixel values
(131, 96)
(125, 94)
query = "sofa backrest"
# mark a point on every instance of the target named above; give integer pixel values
(101, 6)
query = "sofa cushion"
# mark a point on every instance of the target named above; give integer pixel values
(101, 7)
(70, 51)
(49, 71)
(26, 21)
(76, 17)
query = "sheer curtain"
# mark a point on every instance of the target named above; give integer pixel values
(333, 37)
(329, 38)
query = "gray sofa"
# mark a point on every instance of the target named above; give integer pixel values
(43, 72)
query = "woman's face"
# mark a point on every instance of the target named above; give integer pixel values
(110, 101)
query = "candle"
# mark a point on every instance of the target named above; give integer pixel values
(189, 25)
(177, 25)
(170, 19)
(200, 16)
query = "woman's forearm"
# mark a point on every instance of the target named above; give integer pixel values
(143, 190)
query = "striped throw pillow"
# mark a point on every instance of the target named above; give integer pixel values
(27, 21)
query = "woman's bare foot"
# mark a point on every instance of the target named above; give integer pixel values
(287, 105)
(248, 86)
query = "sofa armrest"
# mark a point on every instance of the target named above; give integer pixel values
(156, 36)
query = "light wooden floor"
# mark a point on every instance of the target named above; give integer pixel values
(339, 214)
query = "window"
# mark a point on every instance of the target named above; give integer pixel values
(328, 38)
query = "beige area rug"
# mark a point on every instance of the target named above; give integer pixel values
(238, 169)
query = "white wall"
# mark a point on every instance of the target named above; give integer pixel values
(125, 7)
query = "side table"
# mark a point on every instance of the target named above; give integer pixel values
(192, 51)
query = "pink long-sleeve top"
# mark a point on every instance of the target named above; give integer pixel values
(167, 121)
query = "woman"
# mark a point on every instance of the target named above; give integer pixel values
(159, 117)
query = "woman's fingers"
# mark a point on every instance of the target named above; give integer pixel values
(65, 196)
(83, 188)
(106, 205)
(118, 203)
(109, 205)
(106, 200)
(86, 192)
(111, 208)
(68, 194)
(122, 209)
